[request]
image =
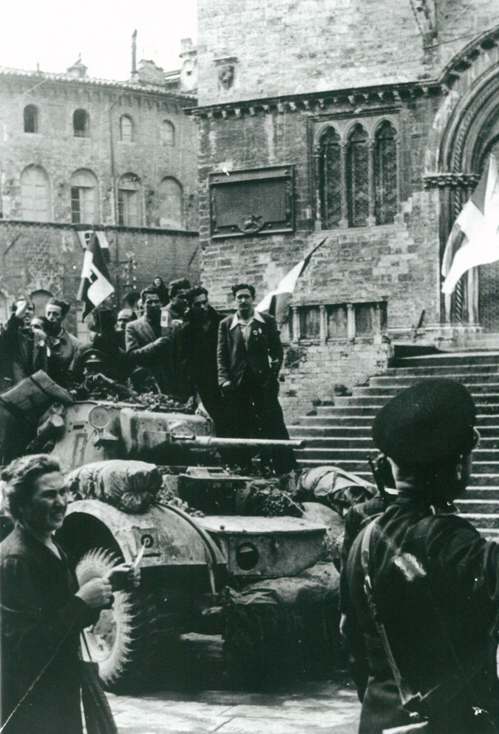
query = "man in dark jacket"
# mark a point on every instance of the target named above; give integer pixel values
(199, 339)
(156, 349)
(434, 578)
(249, 357)
(63, 347)
(43, 611)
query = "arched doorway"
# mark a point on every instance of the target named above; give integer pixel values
(470, 135)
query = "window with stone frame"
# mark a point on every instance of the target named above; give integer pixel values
(126, 129)
(84, 209)
(129, 200)
(167, 133)
(330, 178)
(310, 322)
(35, 194)
(337, 321)
(170, 203)
(81, 124)
(30, 118)
(385, 173)
(357, 177)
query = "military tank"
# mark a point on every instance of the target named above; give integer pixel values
(212, 558)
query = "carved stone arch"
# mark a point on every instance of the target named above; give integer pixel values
(322, 129)
(464, 131)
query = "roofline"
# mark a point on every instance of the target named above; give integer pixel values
(6, 72)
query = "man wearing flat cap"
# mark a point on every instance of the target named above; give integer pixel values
(421, 584)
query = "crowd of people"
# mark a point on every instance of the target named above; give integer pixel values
(168, 340)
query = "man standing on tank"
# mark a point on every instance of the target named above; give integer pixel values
(249, 356)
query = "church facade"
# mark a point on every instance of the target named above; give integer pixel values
(359, 128)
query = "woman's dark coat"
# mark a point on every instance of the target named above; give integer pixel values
(41, 622)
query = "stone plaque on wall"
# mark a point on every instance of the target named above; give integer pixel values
(252, 202)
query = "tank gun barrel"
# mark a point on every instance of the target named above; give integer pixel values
(255, 443)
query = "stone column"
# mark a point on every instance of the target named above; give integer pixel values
(296, 323)
(317, 188)
(322, 324)
(350, 321)
(344, 206)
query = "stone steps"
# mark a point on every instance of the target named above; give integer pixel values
(340, 433)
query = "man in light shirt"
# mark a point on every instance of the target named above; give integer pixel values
(249, 357)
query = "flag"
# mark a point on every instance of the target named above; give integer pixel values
(86, 236)
(474, 238)
(95, 284)
(277, 301)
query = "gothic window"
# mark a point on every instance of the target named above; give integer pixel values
(167, 133)
(35, 195)
(357, 177)
(126, 129)
(385, 173)
(81, 124)
(30, 119)
(129, 200)
(84, 208)
(330, 178)
(170, 203)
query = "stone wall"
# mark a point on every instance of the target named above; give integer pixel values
(48, 258)
(290, 46)
(56, 149)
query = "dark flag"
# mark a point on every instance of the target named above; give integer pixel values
(95, 284)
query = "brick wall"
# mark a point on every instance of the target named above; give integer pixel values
(290, 46)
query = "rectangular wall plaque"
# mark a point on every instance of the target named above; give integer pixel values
(252, 202)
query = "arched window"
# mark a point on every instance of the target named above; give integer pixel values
(357, 177)
(84, 209)
(167, 133)
(330, 178)
(30, 119)
(40, 299)
(385, 173)
(81, 124)
(126, 129)
(35, 194)
(170, 203)
(129, 200)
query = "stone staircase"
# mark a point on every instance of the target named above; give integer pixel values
(340, 434)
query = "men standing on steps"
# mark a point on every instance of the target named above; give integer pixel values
(421, 585)
(249, 356)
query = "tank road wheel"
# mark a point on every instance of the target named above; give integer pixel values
(131, 641)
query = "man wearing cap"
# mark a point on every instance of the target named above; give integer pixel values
(421, 584)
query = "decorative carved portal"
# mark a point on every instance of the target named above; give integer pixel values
(471, 135)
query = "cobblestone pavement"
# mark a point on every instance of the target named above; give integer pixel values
(204, 703)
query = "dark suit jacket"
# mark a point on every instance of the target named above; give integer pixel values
(163, 358)
(41, 619)
(234, 358)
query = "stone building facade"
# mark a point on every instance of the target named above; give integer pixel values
(79, 153)
(360, 126)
